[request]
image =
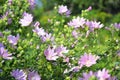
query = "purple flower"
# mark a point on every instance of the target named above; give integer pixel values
(47, 37)
(32, 3)
(1, 35)
(39, 31)
(93, 25)
(61, 49)
(103, 75)
(1, 45)
(77, 22)
(36, 24)
(88, 60)
(117, 25)
(26, 20)
(19, 74)
(9, 20)
(4, 53)
(87, 76)
(89, 8)
(33, 76)
(75, 34)
(68, 13)
(50, 54)
(62, 9)
(12, 39)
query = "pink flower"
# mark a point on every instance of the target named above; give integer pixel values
(88, 60)
(77, 22)
(87, 76)
(62, 9)
(50, 54)
(47, 37)
(33, 76)
(36, 24)
(61, 49)
(4, 53)
(103, 75)
(75, 33)
(39, 31)
(12, 39)
(26, 20)
(93, 25)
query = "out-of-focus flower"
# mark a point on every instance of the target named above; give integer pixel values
(1, 35)
(47, 37)
(68, 13)
(9, 2)
(103, 75)
(61, 49)
(62, 9)
(12, 39)
(89, 8)
(32, 3)
(77, 22)
(26, 20)
(93, 25)
(19, 74)
(33, 76)
(36, 24)
(117, 25)
(75, 34)
(87, 76)
(88, 60)
(9, 20)
(4, 53)
(50, 54)
(1, 45)
(39, 31)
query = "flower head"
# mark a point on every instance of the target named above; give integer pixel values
(88, 60)
(87, 76)
(32, 3)
(61, 49)
(117, 25)
(93, 25)
(4, 53)
(50, 54)
(19, 74)
(39, 31)
(47, 37)
(62, 9)
(33, 76)
(77, 22)
(12, 39)
(103, 75)
(26, 20)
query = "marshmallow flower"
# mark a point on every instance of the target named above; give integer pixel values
(26, 20)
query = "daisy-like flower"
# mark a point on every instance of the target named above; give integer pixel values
(4, 53)
(87, 76)
(34, 76)
(117, 25)
(47, 37)
(75, 34)
(12, 39)
(32, 3)
(88, 60)
(39, 31)
(50, 54)
(61, 49)
(19, 74)
(62, 9)
(26, 20)
(77, 22)
(93, 25)
(103, 75)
